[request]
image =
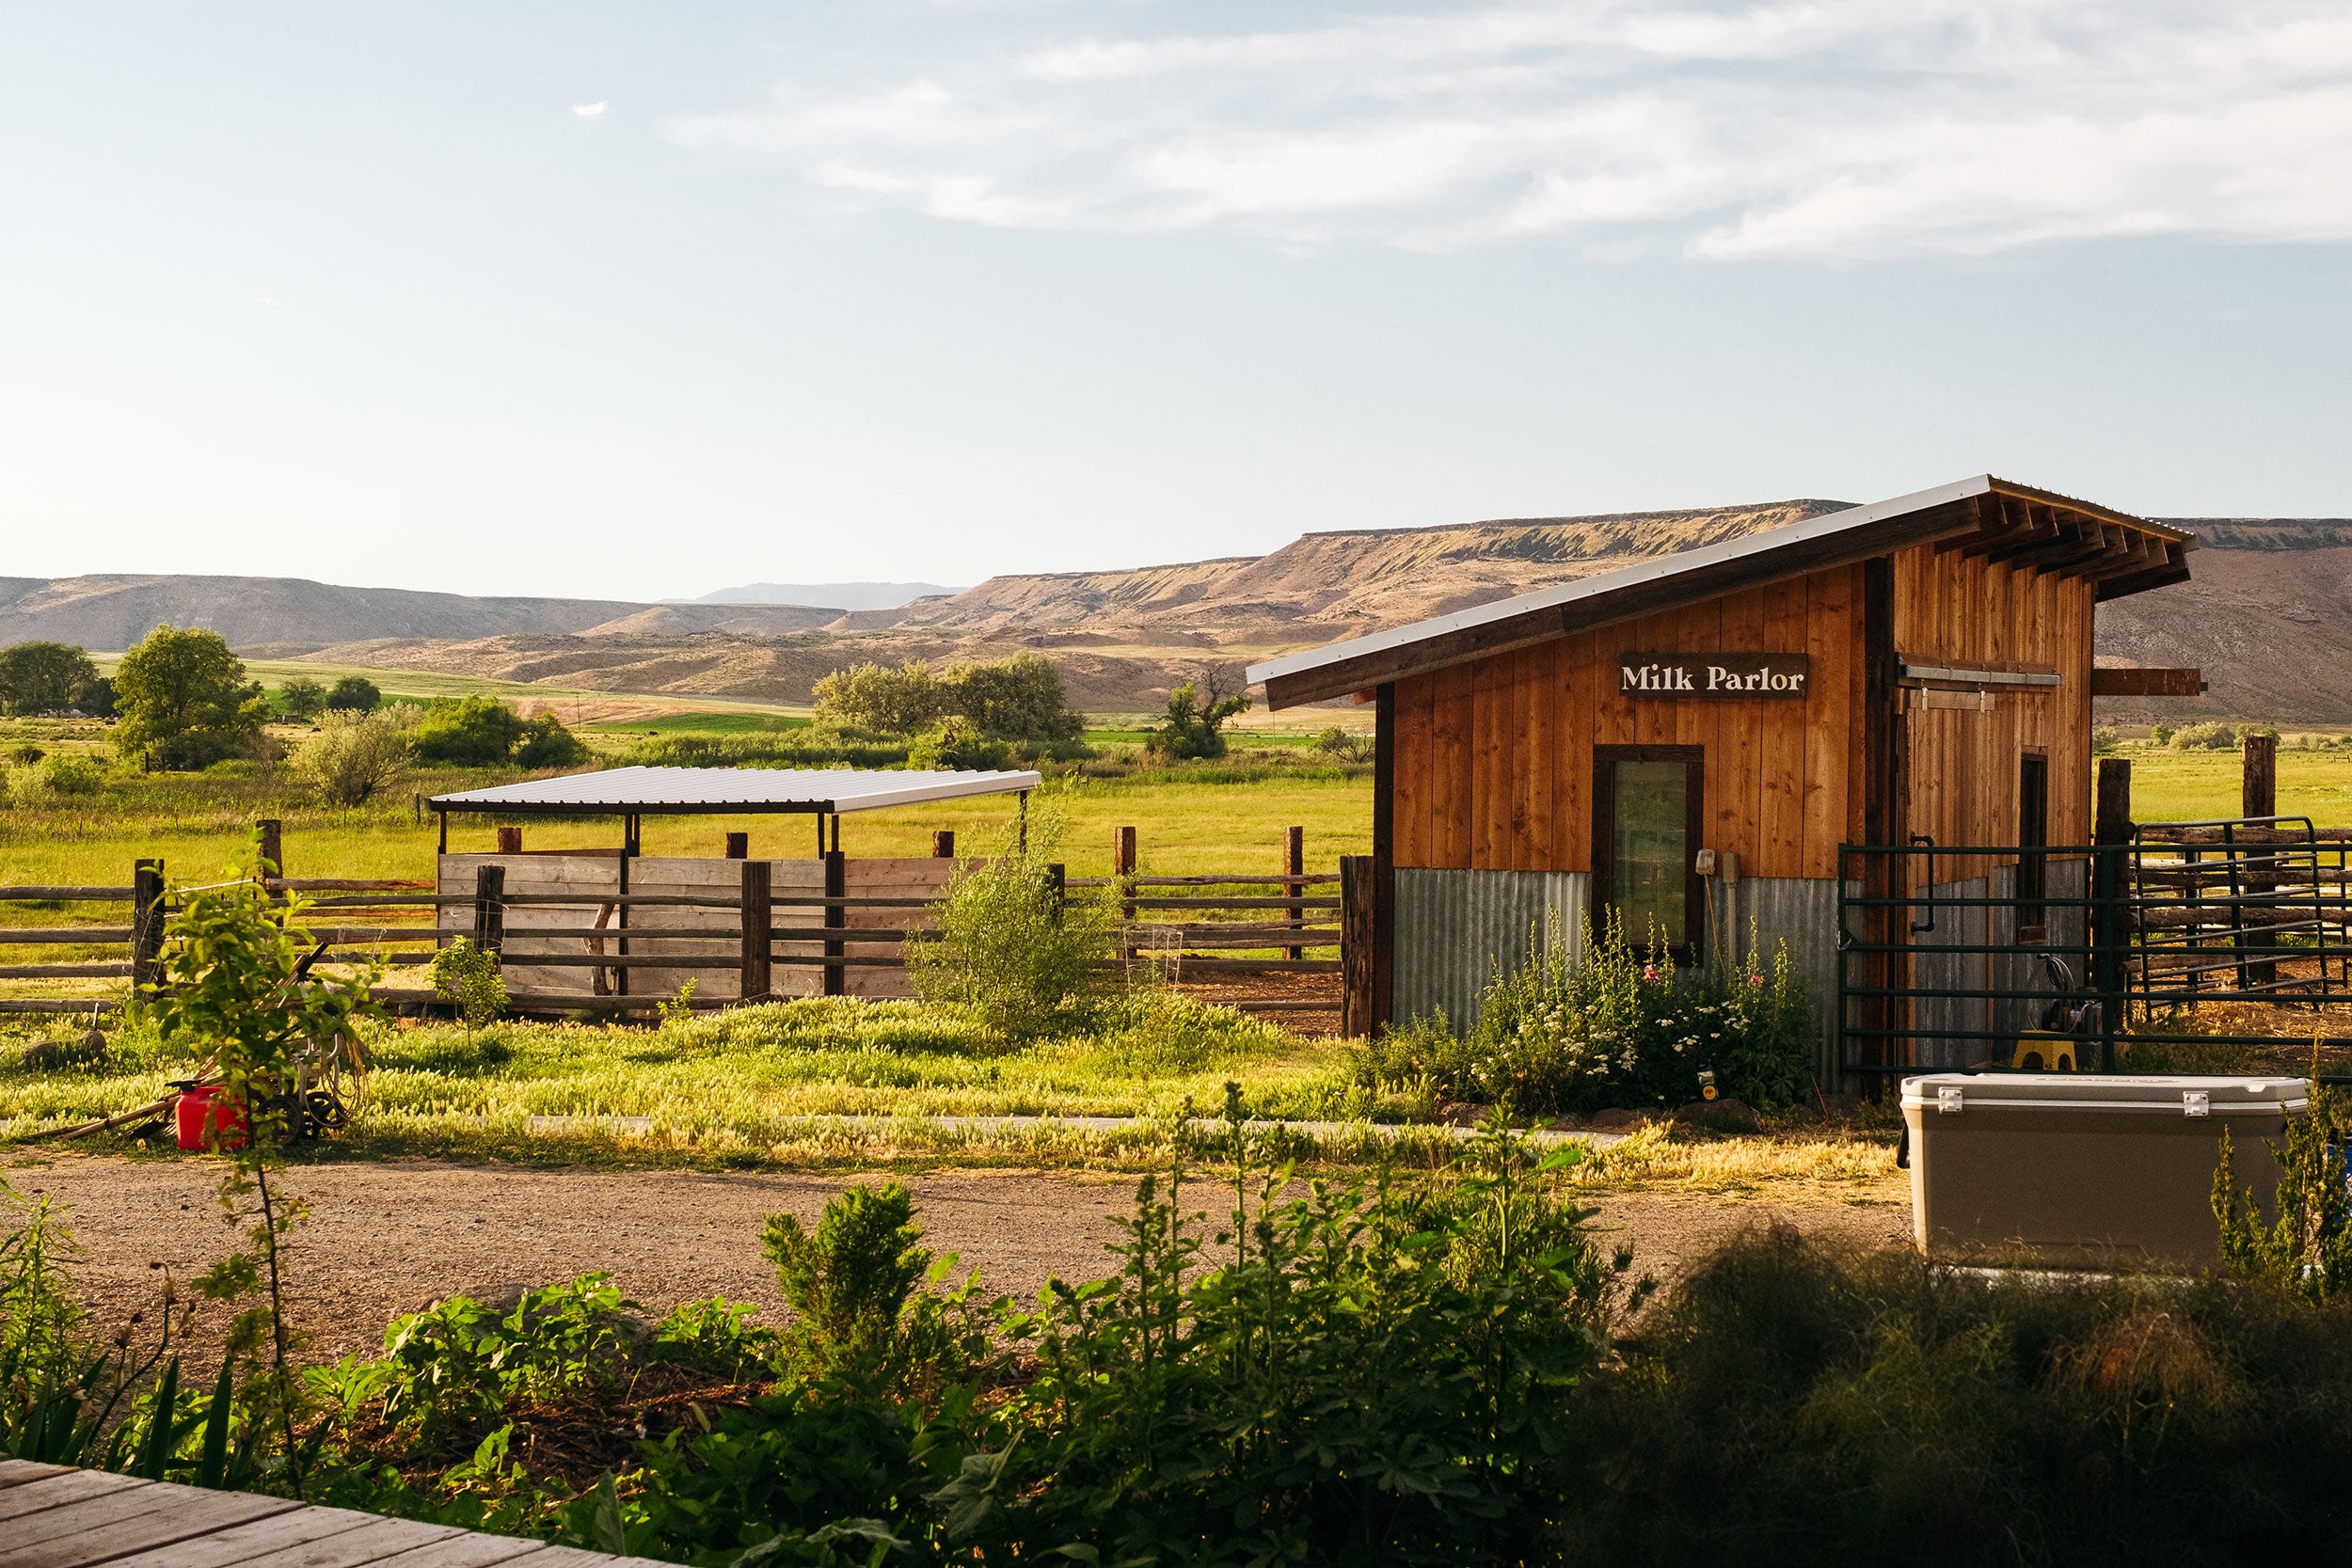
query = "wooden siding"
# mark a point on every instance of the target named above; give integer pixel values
(1962, 765)
(1494, 758)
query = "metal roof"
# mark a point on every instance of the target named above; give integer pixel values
(682, 790)
(1981, 504)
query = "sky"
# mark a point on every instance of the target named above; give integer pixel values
(643, 301)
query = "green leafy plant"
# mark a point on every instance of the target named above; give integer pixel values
(958, 742)
(352, 757)
(45, 677)
(301, 697)
(1011, 948)
(1194, 726)
(2305, 1247)
(853, 1285)
(238, 989)
(679, 1008)
(184, 700)
(353, 694)
(1601, 1025)
(469, 978)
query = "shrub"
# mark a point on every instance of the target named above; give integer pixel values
(2161, 734)
(877, 697)
(472, 732)
(26, 755)
(2249, 732)
(958, 742)
(2306, 1248)
(852, 1283)
(1011, 948)
(2104, 739)
(1568, 1033)
(1337, 742)
(468, 978)
(1020, 698)
(353, 694)
(73, 777)
(352, 757)
(2203, 738)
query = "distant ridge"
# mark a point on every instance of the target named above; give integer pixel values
(2267, 615)
(834, 596)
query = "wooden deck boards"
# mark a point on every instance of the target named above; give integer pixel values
(55, 1517)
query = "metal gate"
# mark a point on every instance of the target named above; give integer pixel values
(1949, 957)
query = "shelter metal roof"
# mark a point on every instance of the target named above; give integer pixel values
(656, 791)
(2032, 529)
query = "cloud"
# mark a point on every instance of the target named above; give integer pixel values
(1811, 128)
(590, 111)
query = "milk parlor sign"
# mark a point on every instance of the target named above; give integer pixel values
(1736, 675)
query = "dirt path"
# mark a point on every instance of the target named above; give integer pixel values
(387, 1238)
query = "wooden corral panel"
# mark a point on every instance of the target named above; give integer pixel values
(925, 879)
(1494, 758)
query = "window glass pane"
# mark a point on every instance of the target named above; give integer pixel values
(1650, 856)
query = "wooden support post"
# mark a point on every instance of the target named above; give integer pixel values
(1355, 946)
(146, 922)
(620, 923)
(836, 884)
(1383, 856)
(738, 847)
(1883, 821)
(2258, 784)
(489, 907)
(943, 844)
(273, 834)
(509, 841)
(1123, 867)
(2110, 890)
(759, 928)
(2258, 796)
(1295, 866)
(1058, 878)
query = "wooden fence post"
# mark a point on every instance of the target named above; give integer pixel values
(943, 844)
(509, 841)
(1058, 878)
(146, 922)
(759, 928)
(2258, 782)
(2258, 796)
(1295, 866)
(738, 847)
(1355, 946)
(2110, 892)
(489, 908)
(1123, 867)
(836, 884)
(273, 848)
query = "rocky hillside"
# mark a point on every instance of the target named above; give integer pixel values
(2269, 615)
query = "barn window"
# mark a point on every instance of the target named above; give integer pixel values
(2033, 833)
(1647, 804)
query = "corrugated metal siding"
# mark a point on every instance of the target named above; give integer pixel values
(1455, 929)
(1765, 911)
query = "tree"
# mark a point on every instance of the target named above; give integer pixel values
(183, 700)
(45, 677)
(301, 697)
(1196, 721)
(1020, 698)
(354, 694)
(876, 697)
(352, 757)
(546, 743)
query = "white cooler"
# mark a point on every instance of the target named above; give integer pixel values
(2084, 1169)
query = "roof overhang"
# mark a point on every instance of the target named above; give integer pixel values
(734, 791)
(1984, 516)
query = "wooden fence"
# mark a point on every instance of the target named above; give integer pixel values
(601, 932)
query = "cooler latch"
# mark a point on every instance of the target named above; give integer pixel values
(2195, 1102)
(1948, 1101)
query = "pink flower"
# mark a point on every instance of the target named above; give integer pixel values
(1650, 972)
(1755, 979)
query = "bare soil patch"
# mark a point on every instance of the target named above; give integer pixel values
(387, 1238)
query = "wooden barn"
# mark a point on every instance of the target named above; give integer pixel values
(1689, 741)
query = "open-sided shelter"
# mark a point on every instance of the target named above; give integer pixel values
(595, 898)
(1917, 667)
